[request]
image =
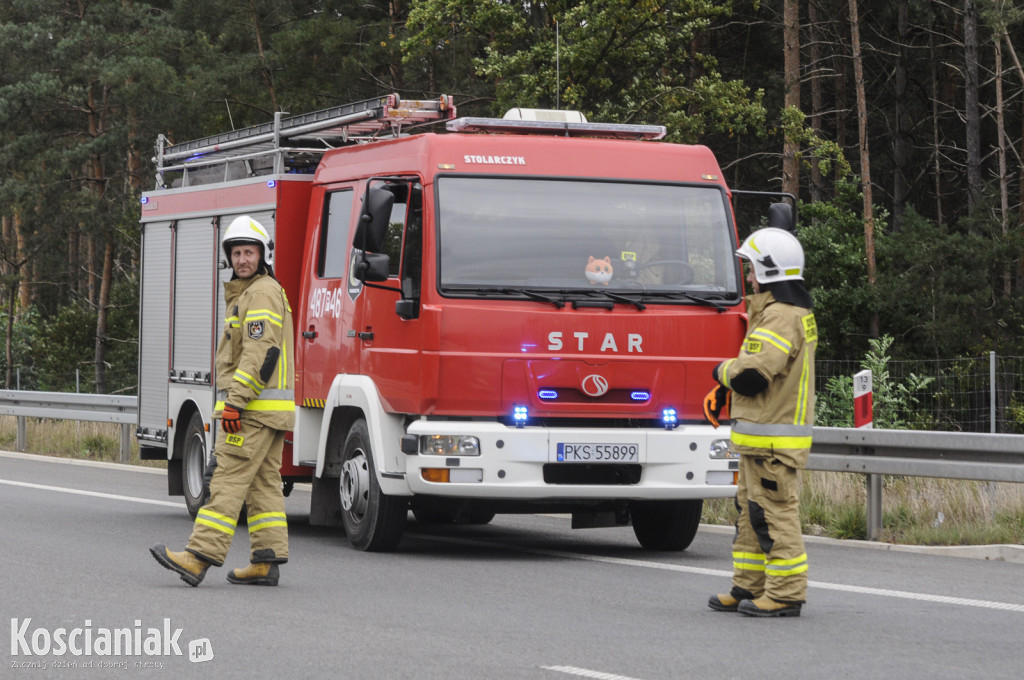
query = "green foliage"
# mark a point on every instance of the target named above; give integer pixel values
(615, 61)
(939, 287)
(832, 235)
(48, 350)
(829, 154)
(894, 402)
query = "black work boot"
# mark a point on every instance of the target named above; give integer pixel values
(256, 574)
(189, 566)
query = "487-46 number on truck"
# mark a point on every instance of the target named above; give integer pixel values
(597, 453)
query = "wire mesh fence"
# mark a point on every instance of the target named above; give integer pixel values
(118, 381)
(965, 394)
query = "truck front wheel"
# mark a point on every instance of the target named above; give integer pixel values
(666, 525)
(193, 465)
(373, 521)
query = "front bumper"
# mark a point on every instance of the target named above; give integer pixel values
(522, 463)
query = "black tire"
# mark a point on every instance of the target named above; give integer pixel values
(193, 465)
(666, 525)
(373, 521)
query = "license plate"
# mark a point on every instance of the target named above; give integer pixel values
(584, 452)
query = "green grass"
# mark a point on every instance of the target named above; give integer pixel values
(915, 510)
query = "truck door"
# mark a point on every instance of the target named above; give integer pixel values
(327, 338)
(389, 331)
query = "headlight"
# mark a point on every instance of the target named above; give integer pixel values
(449, 445)
(720, 449)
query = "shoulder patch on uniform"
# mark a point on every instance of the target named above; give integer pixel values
(751, 346)
(255, 329)
(810, 328)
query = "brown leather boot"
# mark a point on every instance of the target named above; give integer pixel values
(765, 606)
(189, 566)
(256, 574)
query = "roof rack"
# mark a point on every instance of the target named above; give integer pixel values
(293, 144)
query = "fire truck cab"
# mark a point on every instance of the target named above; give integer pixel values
(503, 315)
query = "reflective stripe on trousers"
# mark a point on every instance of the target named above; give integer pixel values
(267, 520)
(748, 561)
(216, 521)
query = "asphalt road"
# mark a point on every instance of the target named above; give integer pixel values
(523, 597)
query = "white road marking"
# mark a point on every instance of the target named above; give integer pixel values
(622, 561)
(42, 458)
(842, 587)
(94, 494)
(586, 673)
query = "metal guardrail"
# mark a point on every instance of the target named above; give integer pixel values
(915, 453)
(102, 408)
(870, 452)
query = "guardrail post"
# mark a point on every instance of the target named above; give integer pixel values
(992, 391)
(21, 443)
(126, 443)
(874, 510)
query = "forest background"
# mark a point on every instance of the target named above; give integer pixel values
(898, 124)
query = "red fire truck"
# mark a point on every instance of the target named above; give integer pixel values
(492, 315)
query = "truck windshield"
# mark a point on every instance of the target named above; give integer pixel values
(500, 234)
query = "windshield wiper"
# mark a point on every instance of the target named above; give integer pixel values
(688, 296)
(617, 298)
(533, 295)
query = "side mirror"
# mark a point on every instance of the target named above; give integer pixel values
(371, 267)
(781, 215)
(373, 220)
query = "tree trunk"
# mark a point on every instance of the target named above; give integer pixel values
(1004, 180)
(791, 58)
(817, 97)
(265, 71)
(24, 286)
(865, 158)
(936, 132)
(12, 293)
(396, 19)
(100, 357)
(972, 110)
(901, 142)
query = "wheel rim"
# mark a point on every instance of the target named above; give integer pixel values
(195, 459)
(355, 485)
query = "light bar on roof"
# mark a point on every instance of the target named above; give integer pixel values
(565, 129)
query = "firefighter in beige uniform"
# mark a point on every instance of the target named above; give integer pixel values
(769, 390)
(255, 402)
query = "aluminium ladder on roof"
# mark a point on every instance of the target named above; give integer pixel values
(297, 140)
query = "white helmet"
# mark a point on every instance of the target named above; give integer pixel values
(775, 254)
(245, 229)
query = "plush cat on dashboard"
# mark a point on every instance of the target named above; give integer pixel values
(599, 271)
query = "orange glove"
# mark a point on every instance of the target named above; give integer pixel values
(717, 399)
(230, 419)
